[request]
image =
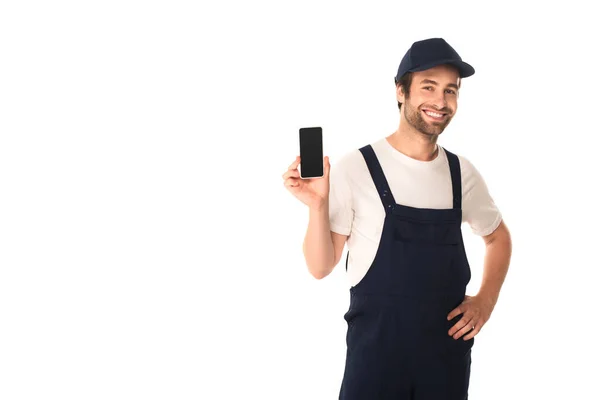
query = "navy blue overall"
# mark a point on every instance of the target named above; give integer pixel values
(398, 345)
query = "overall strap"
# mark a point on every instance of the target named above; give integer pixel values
(456, 180)
(385, 194)
(347, 255)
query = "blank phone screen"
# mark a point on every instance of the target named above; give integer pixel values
(311, 152)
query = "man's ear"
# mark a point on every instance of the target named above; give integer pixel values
(399, 94)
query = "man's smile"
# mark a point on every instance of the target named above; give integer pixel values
(434, 115)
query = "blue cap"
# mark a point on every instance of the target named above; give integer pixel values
(429, 53)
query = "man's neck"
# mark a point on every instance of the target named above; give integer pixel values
(414, 144)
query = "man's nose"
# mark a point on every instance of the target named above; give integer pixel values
(440, 101)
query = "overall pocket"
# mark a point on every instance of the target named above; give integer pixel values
(429, 255)
(457, 347)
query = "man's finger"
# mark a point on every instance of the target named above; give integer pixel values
(460, 324)
(468, 327)
(474, 332)
(291, 183)
(457, 311)
(291, 173)
(295, 164)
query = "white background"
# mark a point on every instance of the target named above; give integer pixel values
(148, 249)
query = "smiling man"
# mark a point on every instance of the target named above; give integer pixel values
(399, 204)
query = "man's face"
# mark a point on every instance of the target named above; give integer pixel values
(432, 101)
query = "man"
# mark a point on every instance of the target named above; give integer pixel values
(399, 204)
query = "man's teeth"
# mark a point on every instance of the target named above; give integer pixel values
(436, 115)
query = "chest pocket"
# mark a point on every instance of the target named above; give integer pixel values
(429, 256)
(435, 233)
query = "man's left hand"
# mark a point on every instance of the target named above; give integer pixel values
(476, 312)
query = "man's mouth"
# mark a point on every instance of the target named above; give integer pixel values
(436, 116)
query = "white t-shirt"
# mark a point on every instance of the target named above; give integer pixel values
(355, 208)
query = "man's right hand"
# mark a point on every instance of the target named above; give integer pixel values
(313, 192)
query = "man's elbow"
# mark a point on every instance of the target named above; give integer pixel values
(318, 268)
(318, 275)
(320, 272)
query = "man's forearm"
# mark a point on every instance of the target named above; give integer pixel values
(496, 262)
(318, 245)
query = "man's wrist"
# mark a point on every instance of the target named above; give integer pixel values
(320, 207)
(490, 297)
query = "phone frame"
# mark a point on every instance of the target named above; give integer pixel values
(322, 152)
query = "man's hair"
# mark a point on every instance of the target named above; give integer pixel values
(404, 82)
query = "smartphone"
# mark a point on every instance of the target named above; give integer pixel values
(311, 152)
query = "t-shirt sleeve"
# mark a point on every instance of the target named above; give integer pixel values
(479, 209)
(341, 211)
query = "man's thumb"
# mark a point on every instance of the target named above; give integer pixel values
(326, 166)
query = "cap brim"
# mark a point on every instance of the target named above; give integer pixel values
(464, 70)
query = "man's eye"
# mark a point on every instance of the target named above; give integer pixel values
(451, 91)
(428, 87)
